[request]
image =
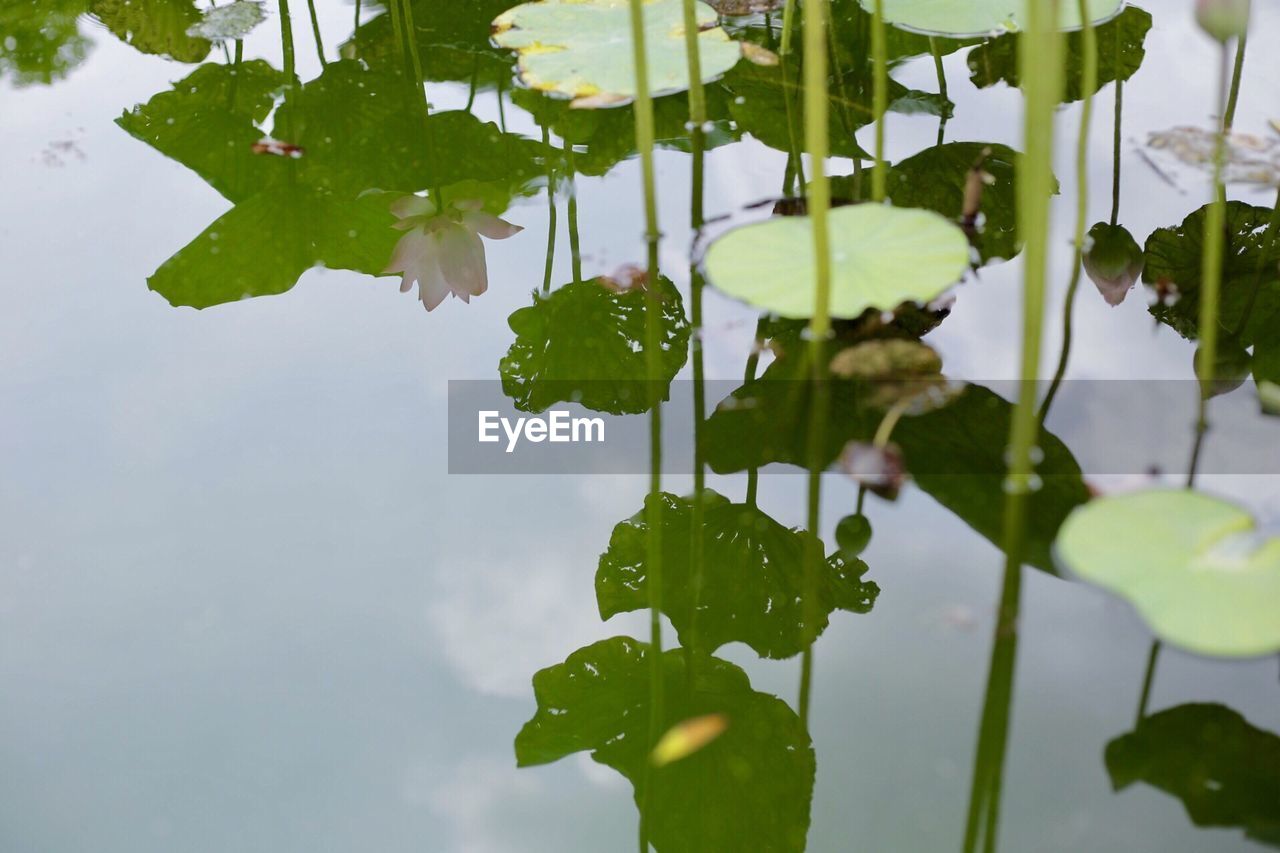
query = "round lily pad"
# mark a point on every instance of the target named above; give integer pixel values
(981, 18)
(1195, 567)
(582, 48)
(881, 257)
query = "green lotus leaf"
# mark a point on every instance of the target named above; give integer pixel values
(1195, 567)
(224, 23)
(581, 48)
(749, 789)
(157, 27)
(1221, 767)
(881, 257)
(974, 18)
(585, 343)
(752, 576)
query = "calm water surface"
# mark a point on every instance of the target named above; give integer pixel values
(244, 607)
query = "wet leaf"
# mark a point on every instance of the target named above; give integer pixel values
(687, 737)
(977, 18)
(579, 48)
(226, 23)
(1195, 567)
(1173, 263)
(749, 789)
(881, 257)
(154, 26)
(1208, 756)
(752, 576)
(1121, 52)
(584, 342)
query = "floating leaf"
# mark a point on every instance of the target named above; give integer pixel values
(749, 789)
(881, 257)
(687, 737)
(1173, 262)
(226, 23)
(978, 18)
(581, 48)
(1208, 756)
(585, 343)
(1195, 567)
(1247, 159)
(752, 576)
(1121, 51)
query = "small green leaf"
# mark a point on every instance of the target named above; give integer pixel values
(1196, 568)
(881, 257)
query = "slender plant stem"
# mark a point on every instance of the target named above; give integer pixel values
(1211, 279)
(551, 211)
(1089, 82)
(1229, 114)
(788, 24)
(644, 143)
(356, 24)
(880, 98)
(290, 65)
(575, 247)
(1147, 680)
(816, 127)
(936, 49)
(749, 376)
(419, 85)
(1115, 153)
(315, 31)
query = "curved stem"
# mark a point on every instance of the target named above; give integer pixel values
(1147, 680)
(1229, 114)
(551, 211)
(941, 71)
(315, 31)
(1089, 82)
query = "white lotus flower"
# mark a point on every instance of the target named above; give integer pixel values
(442, 252)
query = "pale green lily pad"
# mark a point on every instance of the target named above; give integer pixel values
(225, 23)
(881, 257)
(1195, 567)
(979, 18)
(582, 48)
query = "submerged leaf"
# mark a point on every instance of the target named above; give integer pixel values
(225, 23)
(881, 257)
(154, 26)
(1208, 756)
(752, 576)
(580, 48)
(1195, 567)
(749, 789)
(1247, 159)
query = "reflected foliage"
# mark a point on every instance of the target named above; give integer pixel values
(752, 576)
(157, 27)
(1120, 53)
(584, 343)
(40, 40)
(749, 789)
(1223, 769)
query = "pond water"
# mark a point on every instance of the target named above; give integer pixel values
(244, 604)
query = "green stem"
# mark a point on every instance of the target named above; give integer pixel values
(419, 83)
(356, 25)
(816, 126)
(880, 98)
(644, 143)
(941, 71)
(551, 211)
(1229, 114)
(575, 248)
(1147, 680)
(1115, 152)
(290, 64)
(1089, 82)
(315, 30)
(749, 376)
(788, 24)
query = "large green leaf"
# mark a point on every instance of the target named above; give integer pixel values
(954, 453)
(978, 18)
(209, 122)
(42, 41)
(1223, 769)
(1120, 54)
(749, 789)
(582, 48)
(1173, 258)
(1194, 566)
(585, 343)
(881, 257)
(752, 576)
(154, 26)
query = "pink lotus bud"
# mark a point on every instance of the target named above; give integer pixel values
(1113, 261)
(1223, 19)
